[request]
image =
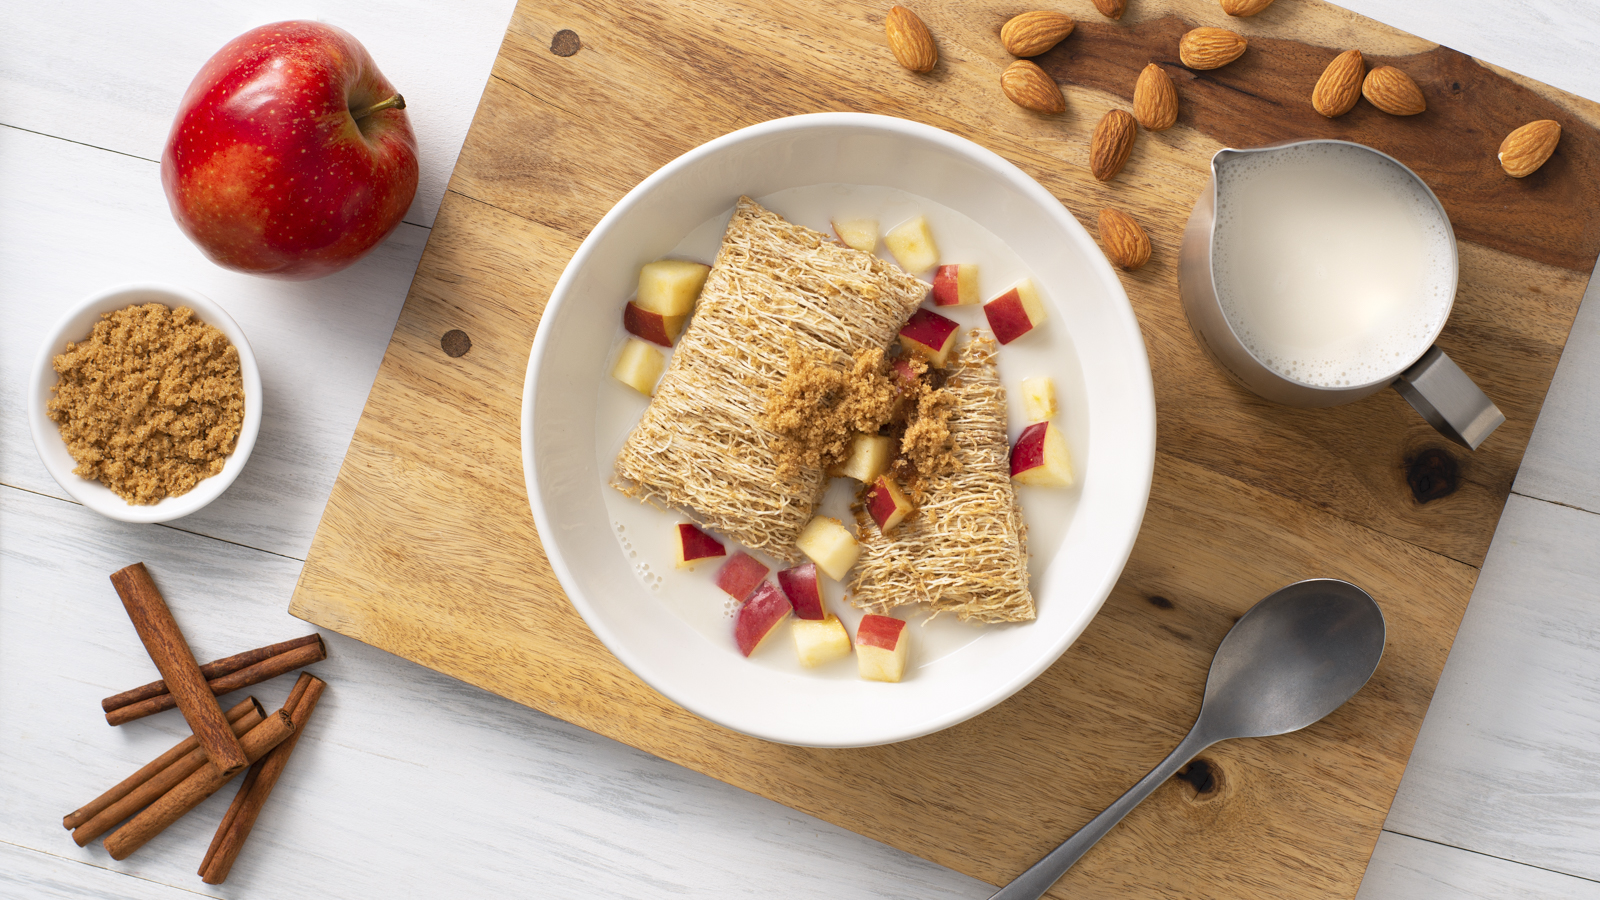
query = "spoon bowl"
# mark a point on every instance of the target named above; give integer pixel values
(1292, 659)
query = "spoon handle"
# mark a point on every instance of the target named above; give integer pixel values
(1032, 884)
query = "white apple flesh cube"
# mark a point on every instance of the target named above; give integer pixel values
(1040, 457)
(857, 234)
(758, 618)
(638, 366)
(800, 586)
(930, 336)
(1039, 398)
(830, 545)
(955, 285)
(912, 245)
(887, 504)
(1016, 312)
(669, 287)
(870, 455)
(882, 646)
(740, 575)
(653, 327)
(820, 641)
(695, 545)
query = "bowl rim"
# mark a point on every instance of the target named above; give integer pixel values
(1145, 426)
(74, 324)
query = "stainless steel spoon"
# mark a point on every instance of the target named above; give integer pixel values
(1292, 659)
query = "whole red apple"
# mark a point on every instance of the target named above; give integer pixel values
(291, 155)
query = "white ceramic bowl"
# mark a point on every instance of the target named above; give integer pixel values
(569, 363)
(75, 326)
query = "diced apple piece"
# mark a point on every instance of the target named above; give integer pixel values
(870, 455)
(956, 285)
(1040, 457)
(758, 618)
(638, 366)
(695, 545)
(857, 234)
(800, 586)
(930, 336)
(820, 641)
(830, 545)
(669, 287)
(904, 372)
(1016, 312)
(887, 504)
(882, 646)
(912, 245)
(653, 327)
(740, 575)
(1039, 398)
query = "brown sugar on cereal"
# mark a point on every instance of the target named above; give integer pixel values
(150, 403)
(818, 408)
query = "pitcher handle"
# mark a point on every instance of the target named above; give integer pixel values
(1437, 388)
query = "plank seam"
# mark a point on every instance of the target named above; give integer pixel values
(199, 534)
(1505, 859)
(84, 862)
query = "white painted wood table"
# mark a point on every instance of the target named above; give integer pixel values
(411, 784)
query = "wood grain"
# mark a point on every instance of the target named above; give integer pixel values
(1248, 496)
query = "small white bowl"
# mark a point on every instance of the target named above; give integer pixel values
(75, 326)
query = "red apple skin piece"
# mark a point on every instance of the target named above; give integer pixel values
(904, 371)
(267, 170)
(695, 545)
(1029, 457)
(887, 504)
(1007, 317)
(879, 631)
(804, 592)
(759, 617)
(652, 327)
(929, 335)
(740, 575)
(946, 290)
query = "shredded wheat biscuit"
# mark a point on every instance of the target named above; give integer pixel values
(699, 446)
(965, 548)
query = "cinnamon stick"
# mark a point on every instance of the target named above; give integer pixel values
(153, 787)
(211, 670)
(257, 786)
(192, 791)
(181, 749)
(162, 639)
(295, 658)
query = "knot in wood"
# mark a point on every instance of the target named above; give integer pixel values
(455, 343)
(1432, 474)
(565, 42)
(1203, 775)
(1160, 602)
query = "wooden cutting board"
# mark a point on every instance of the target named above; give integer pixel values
(428, 549)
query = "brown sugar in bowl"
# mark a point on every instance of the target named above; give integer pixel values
(75, 326)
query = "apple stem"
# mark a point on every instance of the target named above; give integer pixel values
(395, 102)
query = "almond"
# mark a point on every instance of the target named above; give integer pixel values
(1155, 100)
(1210, 48)
(1111, 9)
(1525, 150)
(1244, 7)
(1032, 33)
(1340, 85)
(1111, 144)
(1393, 91)
(1030, 88)
(910, 40)
(1126, 243)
